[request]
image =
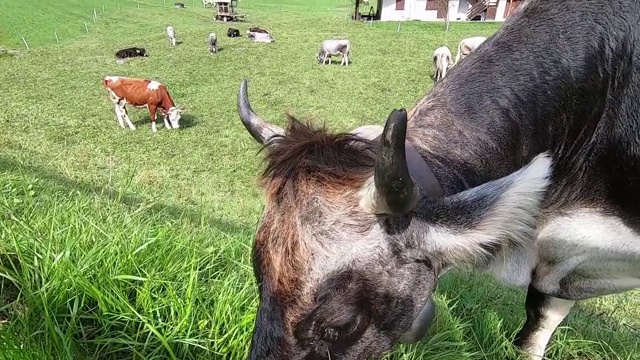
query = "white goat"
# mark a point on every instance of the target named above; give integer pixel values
(171, 34)
(442, 60)
(332, 47)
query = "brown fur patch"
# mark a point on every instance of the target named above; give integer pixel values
(304, 162)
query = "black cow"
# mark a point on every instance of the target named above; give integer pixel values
(531, 173)
(131, 52)
(231, 32)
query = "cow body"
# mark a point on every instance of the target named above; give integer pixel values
(260, 37)
(231, 32)
(131, 52)
(256, 29)
(171, 35)
(531, 174)
(466, 46)
(333, 47)
(442, 60)
(212, 43)
(142, 93)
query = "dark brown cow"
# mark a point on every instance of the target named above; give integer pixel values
(257, 29)
(531, 174)
(142, 93)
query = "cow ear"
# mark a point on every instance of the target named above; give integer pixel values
(476, 223)
(182, 110)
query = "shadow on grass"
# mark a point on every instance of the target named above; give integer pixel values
(336, 63)
(57, 179)
(186, 121)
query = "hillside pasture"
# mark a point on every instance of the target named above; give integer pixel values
(119, 244)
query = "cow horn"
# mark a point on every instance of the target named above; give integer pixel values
(261, 130)
(393, 183)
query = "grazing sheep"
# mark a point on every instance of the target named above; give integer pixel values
(442, 60)
(171, 34)
(466, 46)
(334, 47)
(213, 43)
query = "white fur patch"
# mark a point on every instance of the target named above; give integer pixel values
(112, 78)
(594, 243)
(153, 85)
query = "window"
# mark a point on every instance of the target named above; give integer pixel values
(432, 5)
(399, 4)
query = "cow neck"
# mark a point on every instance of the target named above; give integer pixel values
(167, 101)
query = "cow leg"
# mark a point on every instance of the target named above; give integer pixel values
(544, 314)
(119, 114)
(152, 112)
(167, 124)
(117, 104)
(125, 115)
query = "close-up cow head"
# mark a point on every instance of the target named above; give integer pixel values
(174, 115)
(355, 233)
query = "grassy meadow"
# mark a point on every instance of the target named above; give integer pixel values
(119, 244)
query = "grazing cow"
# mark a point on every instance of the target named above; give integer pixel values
(332, 47)
(142, 93)
(171, 34)
(131, 52)
(260, 37)
(207, 2)
(531, 174)
(231, 32)
(442, 60)
(466, 46)
(213, 43)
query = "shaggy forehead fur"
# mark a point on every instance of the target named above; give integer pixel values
(305, 166)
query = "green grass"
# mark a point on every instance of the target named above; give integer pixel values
(131, 245)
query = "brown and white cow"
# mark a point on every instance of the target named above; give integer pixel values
(142, 93)
(531, 174)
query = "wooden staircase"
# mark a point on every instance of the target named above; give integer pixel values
(479, 7)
